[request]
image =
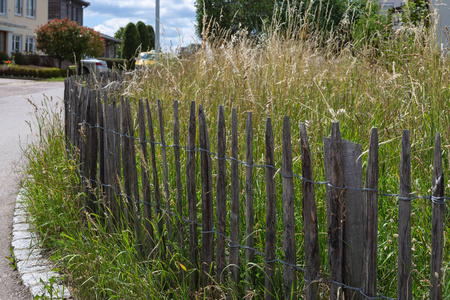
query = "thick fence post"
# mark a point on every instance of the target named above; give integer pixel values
(335, 211)
(221, 194)
(437, 229)
(271, 221)
(165, 177)
(249, 215)
(290, 281)
(371, 216)
(234, 218)
(192, 198)
(404, 284)
(207, 202)
(312, 255)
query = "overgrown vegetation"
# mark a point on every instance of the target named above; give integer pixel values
(393, 80)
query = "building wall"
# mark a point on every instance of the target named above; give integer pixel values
(22, 25)
(441, 8)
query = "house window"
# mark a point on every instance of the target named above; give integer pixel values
(16, 43)
(2, 7)
(31, 8)
(18, 7)
(29, 45)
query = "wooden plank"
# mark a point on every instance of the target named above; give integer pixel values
(165, 177)
(207, 203)
(176, 150)
(125, 209)
(312, 258)
(92, 149)
(101, 140)
(145, 175)
(192, 199)
(335, 209)
(157, 192)
(289, 271)
(67, 94)
(371, 217)
(111, 156)
(249, 214)
(404, 283)
(271, 219)
(234, 217)
(134, 183)
(221, 194)
(437, 221)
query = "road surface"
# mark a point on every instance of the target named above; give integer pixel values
(15, 111)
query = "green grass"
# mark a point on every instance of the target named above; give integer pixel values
(403, 84)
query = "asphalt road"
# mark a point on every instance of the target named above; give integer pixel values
(15, 134)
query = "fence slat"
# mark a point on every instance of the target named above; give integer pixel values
(192, 198)
(145, 174)
(404, 222)
(312, 258)
(249, 216)
(335, 209)
(221, 194)
(234, 218)
(371, 217)
(207, 203)
(93, 149)
(271, 224)
(437, 229)
(155, 176)
(176, 150)
(165, 176)
(101, 140)
(290, 281)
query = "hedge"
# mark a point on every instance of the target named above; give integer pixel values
(115, 62)
(32, 72)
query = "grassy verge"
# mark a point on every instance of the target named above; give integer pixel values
(403, 83)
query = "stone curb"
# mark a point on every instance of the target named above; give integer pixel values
(35, 270)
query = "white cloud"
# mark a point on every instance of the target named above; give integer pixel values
(177, 17)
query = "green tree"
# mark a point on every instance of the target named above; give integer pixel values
(130, 41)
(144, 35)
(151, 32)
(65, 39)
(118, 35)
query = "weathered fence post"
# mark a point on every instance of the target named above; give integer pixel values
(155, 177)
(335, 210)
(192, 198)
(344, 168)
(145, 174)
(221, 194)
(437, 229)
(271, 223)
(312, 258)
(207, 202)
(165, 177)
(290, 281)
(371, 217)
(176, 150)
(404, 285)
(249, 216)
(234, 218)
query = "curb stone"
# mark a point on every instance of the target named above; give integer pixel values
(35, 270)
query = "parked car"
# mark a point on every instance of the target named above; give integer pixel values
(145, 59)
(92, 65)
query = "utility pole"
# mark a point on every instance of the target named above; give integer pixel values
(157, 22)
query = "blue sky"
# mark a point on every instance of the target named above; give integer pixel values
(177, 18)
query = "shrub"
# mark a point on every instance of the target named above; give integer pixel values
(130, 41)
(3, 57)
(19, 58)
(115, 62)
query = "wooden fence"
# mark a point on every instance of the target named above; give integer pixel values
(104, 135)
